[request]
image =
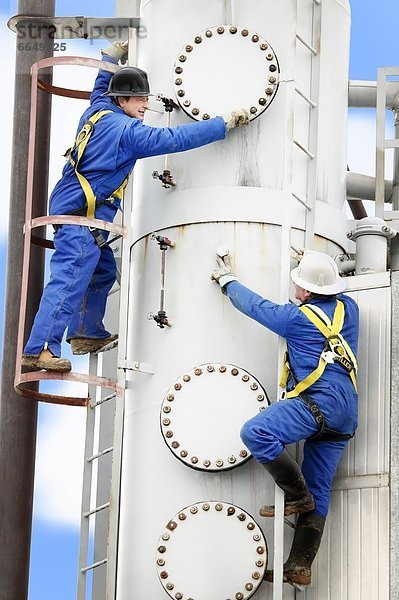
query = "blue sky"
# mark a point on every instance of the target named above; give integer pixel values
(374, 43)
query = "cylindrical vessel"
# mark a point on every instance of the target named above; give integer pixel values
(237, 192)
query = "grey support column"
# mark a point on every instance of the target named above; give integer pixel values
(18, 416)
(394, 438)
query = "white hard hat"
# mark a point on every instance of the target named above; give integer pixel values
(318, 273)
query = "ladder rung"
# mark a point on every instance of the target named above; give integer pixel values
(305, 150)
(94, 565)
(308, 46)
(102, 453)
(102, 400)
(391, 144)
(305, 97)
(305, 204)
(96, 510)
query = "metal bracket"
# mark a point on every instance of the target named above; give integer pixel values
(132, 365)
(62, 28)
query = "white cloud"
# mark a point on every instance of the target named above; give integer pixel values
(60, 453)
(59, 465)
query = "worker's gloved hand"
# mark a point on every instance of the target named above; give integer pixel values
(298, 254)
(117, 51)
(236, 118)
(224, 273)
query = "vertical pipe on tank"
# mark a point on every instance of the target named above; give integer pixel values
(371, 235)
(18, 416)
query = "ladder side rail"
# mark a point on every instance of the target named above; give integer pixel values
(311, 192)
(107, 366)
(87, 486)
(285, 253)
(111, 576)
(28, 217)
(112, 544)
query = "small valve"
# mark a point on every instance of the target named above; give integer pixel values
(169, 103)
(163, 241)
(160, 319)
(165, 177)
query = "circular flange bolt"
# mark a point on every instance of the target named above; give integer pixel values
(204, 401)
(223, 69)
(207, 540)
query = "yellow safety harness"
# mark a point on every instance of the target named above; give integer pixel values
(80, 145)
(336, 349)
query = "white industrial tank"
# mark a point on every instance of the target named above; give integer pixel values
(258, 192)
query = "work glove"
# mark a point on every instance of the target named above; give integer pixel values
(236, 118)
(118, 51)
(224, 273)
(298, 253)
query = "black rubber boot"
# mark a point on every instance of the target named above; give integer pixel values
(306, 542)
(288, 476)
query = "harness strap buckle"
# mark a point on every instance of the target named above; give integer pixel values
(328, 356)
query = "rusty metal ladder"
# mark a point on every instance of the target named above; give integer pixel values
(95, 382)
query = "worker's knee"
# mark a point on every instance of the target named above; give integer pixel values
(247, 434)
(254, 433)
(261, 442)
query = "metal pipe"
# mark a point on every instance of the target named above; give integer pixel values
(166, 168)
(395, 195)
(363, 94)
(346, 265)
(163, 266)
(363, 187)
(18, 416)
(357, 208)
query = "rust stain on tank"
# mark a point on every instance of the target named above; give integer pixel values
(146, 240)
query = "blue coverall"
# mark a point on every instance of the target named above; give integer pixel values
(81, 273)
(290, 421)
